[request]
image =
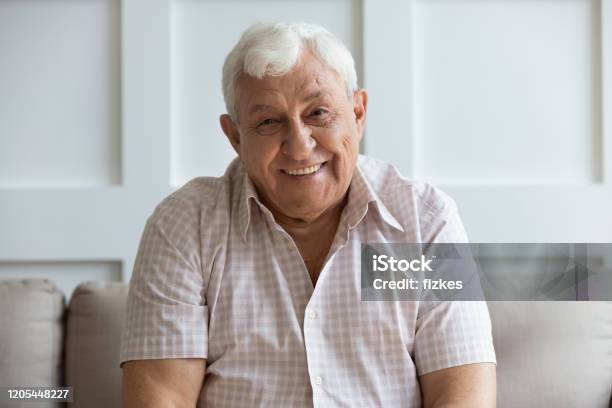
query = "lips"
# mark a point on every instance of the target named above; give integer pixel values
(304, 171)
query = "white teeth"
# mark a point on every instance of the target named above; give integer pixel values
(302, 172)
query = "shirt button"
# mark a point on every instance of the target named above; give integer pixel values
(312, 315)
(318, 380)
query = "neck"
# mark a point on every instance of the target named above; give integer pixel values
(306, 227)
(313, 235)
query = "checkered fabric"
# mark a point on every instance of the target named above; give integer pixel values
(217, 278)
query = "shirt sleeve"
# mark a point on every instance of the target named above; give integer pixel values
(167, 316)
(449, 333)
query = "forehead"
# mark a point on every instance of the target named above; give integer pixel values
(310, 78)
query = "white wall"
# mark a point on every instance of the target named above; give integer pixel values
(106, 106)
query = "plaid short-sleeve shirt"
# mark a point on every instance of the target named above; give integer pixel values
(216, 278)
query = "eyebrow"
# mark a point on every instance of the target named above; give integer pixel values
(262, 106)
(313, 95)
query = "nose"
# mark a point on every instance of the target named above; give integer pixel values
(298, 142)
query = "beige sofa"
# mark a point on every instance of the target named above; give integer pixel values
(550, 354)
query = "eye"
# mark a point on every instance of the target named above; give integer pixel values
(319, 112)
(268, 126)
(321, 117)
(267, 122)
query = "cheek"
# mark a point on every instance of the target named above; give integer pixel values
(346, 149)
(340, 140)
(344, 152)
(259, 154)
(350, 145)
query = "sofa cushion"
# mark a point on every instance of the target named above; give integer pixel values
(31, 334)
(95, 321)
(553, 354)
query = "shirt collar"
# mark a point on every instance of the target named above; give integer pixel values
(247, 196)
(361, 194)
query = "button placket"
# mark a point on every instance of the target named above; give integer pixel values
(313, 356)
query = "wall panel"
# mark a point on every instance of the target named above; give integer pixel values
(59, 93)
(509, 86)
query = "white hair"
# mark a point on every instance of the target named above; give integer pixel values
(274, 49)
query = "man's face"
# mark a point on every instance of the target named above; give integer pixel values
(298, 136)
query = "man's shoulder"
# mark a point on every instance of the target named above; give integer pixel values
(199, 190)
(398, 192)
(200, 195)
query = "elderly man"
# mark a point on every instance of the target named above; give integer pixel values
(246, 288)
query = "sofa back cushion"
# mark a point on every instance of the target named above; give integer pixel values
(31, 335)
(95, 321)
(553, 354)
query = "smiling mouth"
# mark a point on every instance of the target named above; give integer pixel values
(304, 171)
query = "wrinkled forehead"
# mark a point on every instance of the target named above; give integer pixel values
(308, 79)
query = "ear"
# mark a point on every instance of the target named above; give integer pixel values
(360, 107)
(231, 131)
